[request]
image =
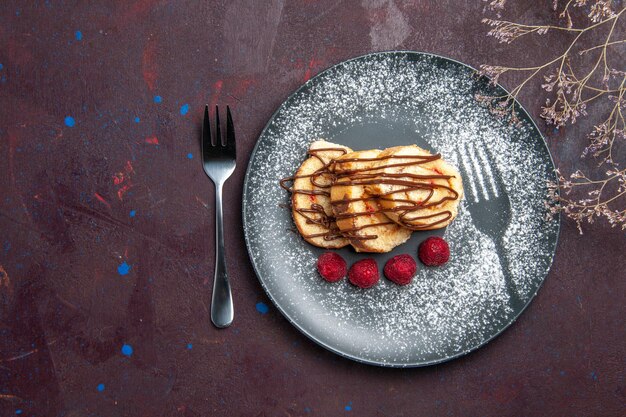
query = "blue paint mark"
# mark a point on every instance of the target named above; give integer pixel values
(562, 373)
(184, 109)
(189, 345)
(578, 299)
(137, 119)
(594, 376)
(158, 99)
(69, 121)
(18, 411)
(123, 268)
(100, 387)
(349, 406)
(79, 35)
(127, 350)
(1, 66)
(17, 13)
(307, 410)
(262, 308)
(190, 155)
(132, 213)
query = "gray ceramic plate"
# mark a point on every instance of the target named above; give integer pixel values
(502, 247)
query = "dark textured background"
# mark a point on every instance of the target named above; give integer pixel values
(79, 204)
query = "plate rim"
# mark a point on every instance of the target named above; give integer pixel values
(303, 330)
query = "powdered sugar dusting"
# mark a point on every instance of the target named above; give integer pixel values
(446, 311)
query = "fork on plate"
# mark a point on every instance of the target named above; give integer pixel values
(218, 160)
(489, 206)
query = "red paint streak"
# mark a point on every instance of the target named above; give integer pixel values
(148, 64)
(118, 178)
(102, 200)
(313, 63)
(152, 140)
(312, 198)
(217, 90)
(307, 75)
(123, 190)
(123, 179)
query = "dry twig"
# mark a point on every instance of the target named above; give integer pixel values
(573, 79)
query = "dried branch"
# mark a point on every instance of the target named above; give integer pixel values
(571, 87)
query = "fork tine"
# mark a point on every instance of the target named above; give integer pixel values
(478, 172)
(497, 178)
(488, 169)
(206, 135)
(218, 134)
(231, 146)
(465, 167)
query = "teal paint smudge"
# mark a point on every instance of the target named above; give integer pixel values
(262, 308)
(123, 268)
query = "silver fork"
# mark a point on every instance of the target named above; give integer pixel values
(489, 206)
(218, 161)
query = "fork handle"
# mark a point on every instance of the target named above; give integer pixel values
(514, 296)
(222, 300)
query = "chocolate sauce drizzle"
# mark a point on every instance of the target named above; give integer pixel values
(331, 173)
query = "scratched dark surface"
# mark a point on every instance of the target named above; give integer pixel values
(106, 241)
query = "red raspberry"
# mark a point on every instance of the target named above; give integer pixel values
(364, 273)
(331, 266)
(400, 269)
(434, 251)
